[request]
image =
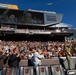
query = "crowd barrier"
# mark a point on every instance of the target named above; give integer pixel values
(48, 67)
(73, 62)
(36, 70)
(47, 62)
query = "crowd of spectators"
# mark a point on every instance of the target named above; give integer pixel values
(25, 48)
(12, 52)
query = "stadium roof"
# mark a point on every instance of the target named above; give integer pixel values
(62, 25)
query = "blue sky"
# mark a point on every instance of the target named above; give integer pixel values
(65, 7)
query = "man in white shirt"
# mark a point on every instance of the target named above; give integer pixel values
(37, 57)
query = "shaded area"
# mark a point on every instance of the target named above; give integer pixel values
(27, 37)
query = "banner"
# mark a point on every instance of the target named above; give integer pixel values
(26, 70)
(9, 71)
(57, 69)
(42, 70)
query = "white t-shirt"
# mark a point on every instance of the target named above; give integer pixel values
(37, 58)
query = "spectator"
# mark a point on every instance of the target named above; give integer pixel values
(14, 59)
(37, 57)
(1, 60)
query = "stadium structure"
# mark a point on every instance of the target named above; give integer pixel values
(31, 25)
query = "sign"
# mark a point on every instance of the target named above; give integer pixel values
(52, 18)
(9, 6)
(26, 70)
(42, 70)
(9, 71)
(57, 69)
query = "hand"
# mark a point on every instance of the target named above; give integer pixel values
(7, 55)
(1, 50)
(4, 52)
(18, 55)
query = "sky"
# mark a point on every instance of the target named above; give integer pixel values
(65, 7)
